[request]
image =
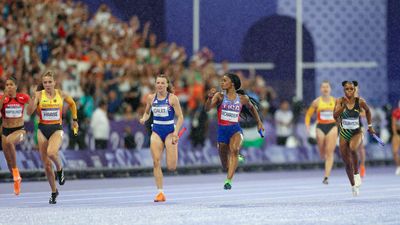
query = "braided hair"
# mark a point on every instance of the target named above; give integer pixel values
(245, 113)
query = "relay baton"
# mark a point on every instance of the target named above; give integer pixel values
(181, 132)
(378, 139)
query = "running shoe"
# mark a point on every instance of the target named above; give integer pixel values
(160, 197)
(355, 190)
(398, 171)
(325, 181)
(17, 185)
(241, 159)
(357, 180)
(60, 177)
(53, 197)
(228, 184)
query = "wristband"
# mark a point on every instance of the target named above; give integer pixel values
(75, 120)
(369, 125)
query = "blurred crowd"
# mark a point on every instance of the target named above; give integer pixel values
(109, 65)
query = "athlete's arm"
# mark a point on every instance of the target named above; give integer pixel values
(33, 103)
(246, 101)
(339, 107)
(310, 113)
(178, 112)
(364, 106)
(213, 98)
(146, 113)
(72, 106)
(2, 100)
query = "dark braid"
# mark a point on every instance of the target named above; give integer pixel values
(245, 113)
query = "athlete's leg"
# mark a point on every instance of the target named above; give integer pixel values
(347, 159)
(235, 144)
(13, 139)
(330, 146)
(48, 167)
(157, 148)
(223, 150)
(54, 145)
(171, 153)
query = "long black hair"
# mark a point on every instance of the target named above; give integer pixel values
(245, 113)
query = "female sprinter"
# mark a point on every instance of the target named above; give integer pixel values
(49, 103)
(347, 113)
(12, 111)
(327, 131)
(396, 137)
(231, 104)
(164, 105)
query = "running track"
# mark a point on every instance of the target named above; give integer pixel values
(285, 197)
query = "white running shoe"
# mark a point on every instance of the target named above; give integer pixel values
(357, 180)
(355, 190)
(398, 171)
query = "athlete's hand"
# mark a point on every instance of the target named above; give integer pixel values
(371, 130)
(211, 92)
(175, 139)
(260, 126)
(345, 100)
(75, 127)
(141, 121)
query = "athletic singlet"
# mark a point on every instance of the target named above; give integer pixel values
(325, 111)
(14, 107)
(229, 111)
(350, 121)
(50, 110)
(163, 112)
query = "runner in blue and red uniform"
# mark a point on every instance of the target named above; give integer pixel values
(232, 104)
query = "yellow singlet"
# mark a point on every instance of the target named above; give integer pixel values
(325, 111)
(50, 110)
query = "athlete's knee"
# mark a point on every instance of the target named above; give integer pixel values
(171, 167)
(157, 163)
(47, 165)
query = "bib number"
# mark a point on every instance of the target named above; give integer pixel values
(351, 124)
(326, 115)
(51, 114)
(230, 116)
(160, 111)
(13, 112)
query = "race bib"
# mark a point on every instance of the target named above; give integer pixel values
(13, 112)
(351, 123)
(230, 116)
(160, 111)
(326, 115)
(51, 114)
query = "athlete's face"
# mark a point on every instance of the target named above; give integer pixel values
(11, 88)
(225, 83)
(349, 90)
(325, 89)
(48, 83)
(161, 84)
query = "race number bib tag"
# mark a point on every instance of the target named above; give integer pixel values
(13, 112)
(160, 111)
(351, 123)
(326, 115)
(230, 116)
(51, 114)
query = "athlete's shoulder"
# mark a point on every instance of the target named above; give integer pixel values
(396, 113)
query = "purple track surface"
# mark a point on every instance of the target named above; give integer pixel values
(286, 197)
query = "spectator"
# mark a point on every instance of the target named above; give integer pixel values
(100, 126)
(283, 122)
